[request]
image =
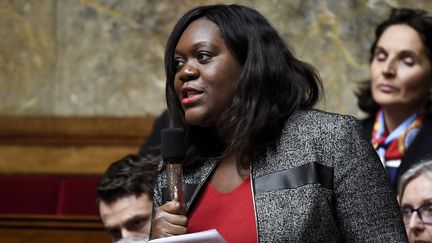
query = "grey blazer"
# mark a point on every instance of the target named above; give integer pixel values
(322, 182)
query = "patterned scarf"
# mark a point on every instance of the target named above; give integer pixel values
(391, 147)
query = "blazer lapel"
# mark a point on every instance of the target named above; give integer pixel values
(420, 149)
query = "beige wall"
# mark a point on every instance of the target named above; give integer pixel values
(105, 57)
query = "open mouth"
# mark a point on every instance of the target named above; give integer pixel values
(190, 95)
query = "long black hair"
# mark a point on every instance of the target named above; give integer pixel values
(272, 85)
(421, 22)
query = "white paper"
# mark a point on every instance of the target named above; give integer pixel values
(208, 236)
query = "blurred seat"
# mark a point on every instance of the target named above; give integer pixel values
(48, 194)
(31, 194)
(77, 196)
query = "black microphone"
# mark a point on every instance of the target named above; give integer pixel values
(173, 152)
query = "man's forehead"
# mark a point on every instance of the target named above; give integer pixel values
(124, 209)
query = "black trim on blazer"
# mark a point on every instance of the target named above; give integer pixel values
(165, 197)
(310, 173)
(188, 191)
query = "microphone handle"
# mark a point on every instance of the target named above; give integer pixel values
(175, 181)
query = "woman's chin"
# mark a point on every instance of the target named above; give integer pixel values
(199, 121)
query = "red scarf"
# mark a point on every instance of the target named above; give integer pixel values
(396, 147)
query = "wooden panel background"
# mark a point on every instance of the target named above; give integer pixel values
(51, 228)
(68, 145)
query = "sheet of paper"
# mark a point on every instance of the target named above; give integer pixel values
(208, 236)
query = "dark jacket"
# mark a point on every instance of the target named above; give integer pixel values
(321, 182)
(419, 150)
(153, 142)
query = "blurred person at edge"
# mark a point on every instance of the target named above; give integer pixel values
(125, 198)
(398, 97)
(152, 145)
(415, 198)
(261, 164)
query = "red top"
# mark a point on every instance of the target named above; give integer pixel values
(231, 214)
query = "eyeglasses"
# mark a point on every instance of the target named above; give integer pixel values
(424, 213)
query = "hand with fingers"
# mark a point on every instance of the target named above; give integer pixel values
(170, 219)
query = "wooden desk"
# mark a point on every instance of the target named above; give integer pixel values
(51, 228)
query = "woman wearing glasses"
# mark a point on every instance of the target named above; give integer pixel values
(398, 96)
(415, 198)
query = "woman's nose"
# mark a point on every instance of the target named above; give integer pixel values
(415, 222)
(389, 68)
(188, 72)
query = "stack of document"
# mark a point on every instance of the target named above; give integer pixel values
(208, 236)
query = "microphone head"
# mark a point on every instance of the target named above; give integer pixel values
(173, 146)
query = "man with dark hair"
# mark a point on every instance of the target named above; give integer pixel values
(125, 195)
